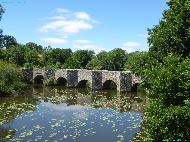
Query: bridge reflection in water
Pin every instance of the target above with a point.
(130, 101)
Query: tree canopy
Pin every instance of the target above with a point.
(1, 11)
(166, 74)
(172, 34)
(1, 31)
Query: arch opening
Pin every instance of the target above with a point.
(109, 85)
(38, 79)
(83, 84)
(134, 88)
(61, 81)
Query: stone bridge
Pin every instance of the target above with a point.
(98, 79)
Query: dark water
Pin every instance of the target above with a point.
(69, 115)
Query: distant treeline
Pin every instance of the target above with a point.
(32, 55)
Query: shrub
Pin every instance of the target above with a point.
(10, 79)
(167, 117)
(50, 81)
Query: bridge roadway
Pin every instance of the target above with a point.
(98, 79)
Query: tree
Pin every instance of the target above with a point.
(104, 59)
(167, 117)
(94, 64)
(31, 58)
(114, 60)
(136, 62)
(1, 11)
(118, 59)
(1, 31)
(35, 47)
(8, 41)
(56, 56)
(16, 55)
(10, 79)
(72, 63)
(172, 34)
(167, 73)
(2, 54)
(79, 59)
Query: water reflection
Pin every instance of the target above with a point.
(65, 114)
(130, 101)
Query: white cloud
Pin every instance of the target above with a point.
(62, 10)
(66, 26)
(54, 40)
(67, 22)
(56, 18)
(63, 107)
(83, 42)
(86, 45)
(131, 46)
(83, 16)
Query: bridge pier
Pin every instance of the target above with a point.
(96, 80)
(72, 78)
(125, 82)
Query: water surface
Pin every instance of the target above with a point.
(69, 115)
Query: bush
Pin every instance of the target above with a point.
(50, 81)
(170, 80)
(167, 123)
(167, 117)
(10, 79)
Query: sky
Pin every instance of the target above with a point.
(82, 24)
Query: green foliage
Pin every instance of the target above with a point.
(170, 80)
(1, 11)
(55, 58)
(10, 79)
(94, 64)
(172, 34)
(31, 58)
(1, 31)
(16, 54)
(168, 115)
(167, 123)
(118, 59)
(2, 54)
(72, 63)
(33, 46)
(79, 59)
(50, 81)
(104, 60)
(8, 41)
(167, 75)
(136, 62)
(114, 60)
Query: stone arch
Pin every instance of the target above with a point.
(134, 87)
(38, 79)
(109, 85)
(82, 83)
(61, 81)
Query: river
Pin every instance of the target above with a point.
(58, 114)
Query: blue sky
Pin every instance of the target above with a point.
(82, 24)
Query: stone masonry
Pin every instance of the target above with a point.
(123, 79)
